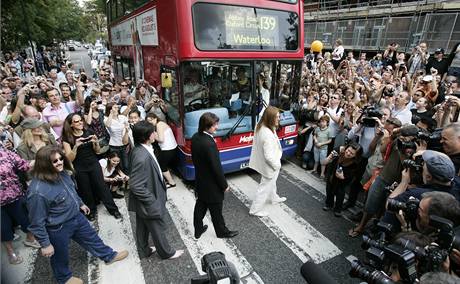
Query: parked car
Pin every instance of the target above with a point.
(71, 48)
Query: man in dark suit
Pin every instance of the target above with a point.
(148, 195)
(210, 183)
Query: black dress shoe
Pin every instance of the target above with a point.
(117, 215)
(116, 195)
(229, 234)
(199, 233)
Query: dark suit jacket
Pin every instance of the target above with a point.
(147, 195)
(210, 182)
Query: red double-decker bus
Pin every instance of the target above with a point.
(230, 57)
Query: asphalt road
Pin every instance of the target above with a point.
(81, 59)
(267, 250)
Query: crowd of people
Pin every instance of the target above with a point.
(385, 128)
(71, 141)
(64, 143)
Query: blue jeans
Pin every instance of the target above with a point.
(376, 196)
(79, 230)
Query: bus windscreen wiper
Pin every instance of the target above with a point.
(249, 108)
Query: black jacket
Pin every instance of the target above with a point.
(210, 182)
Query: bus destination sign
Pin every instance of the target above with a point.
(246, 29)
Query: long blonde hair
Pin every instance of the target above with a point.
(268, 118)
(28, 138)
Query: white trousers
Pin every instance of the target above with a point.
(266, 191)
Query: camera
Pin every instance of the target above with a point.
(217, 270)
(370, 275)
(433, 139)
(369, 115)
(388, 92)
(410, 208)
(416, 169)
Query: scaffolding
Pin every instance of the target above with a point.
(372, 25)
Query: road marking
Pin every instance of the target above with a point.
(19, 273)
(181, 202)
(301, 175)
(296, 233)
(119, 235)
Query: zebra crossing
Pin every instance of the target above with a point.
(294, 232)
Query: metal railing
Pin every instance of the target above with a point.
(331, 5)
(437, 29)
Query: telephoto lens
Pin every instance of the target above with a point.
(369, 275)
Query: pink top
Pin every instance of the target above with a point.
(50, 113)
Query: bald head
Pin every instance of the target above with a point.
(30, 112)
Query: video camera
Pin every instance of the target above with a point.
(217, 270)
(412, 260)
(432, 139)
(369, 115)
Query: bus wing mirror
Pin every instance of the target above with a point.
(166, 81)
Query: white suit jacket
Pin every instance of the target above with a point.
(266, 152)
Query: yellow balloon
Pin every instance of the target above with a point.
(316, 46)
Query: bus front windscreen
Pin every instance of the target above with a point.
(219, 26)
(237, 91)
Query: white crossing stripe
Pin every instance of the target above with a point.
(181, 202)
(119, 235)
(296, 233)
(304, 176)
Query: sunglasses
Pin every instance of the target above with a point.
(60, 159)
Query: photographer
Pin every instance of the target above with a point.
(438, 172)
(156, 106)
(450, 140)
(400, 149)
(344, 166)
(418, 59)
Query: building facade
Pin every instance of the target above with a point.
(373, 25)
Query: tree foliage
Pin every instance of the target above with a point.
(48, 21)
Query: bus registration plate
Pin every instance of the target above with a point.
(244, 165)
(289, 129)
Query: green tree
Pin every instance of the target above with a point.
(47, 21)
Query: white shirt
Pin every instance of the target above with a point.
(334, 126)
(149, 148)
(105, 171)
(169, 142)
(117, 130)
(404, 115)
(338, 53)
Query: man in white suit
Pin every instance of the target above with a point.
(266, 160)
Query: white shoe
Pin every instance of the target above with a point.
(279, 200)
(259, 214)
(177, 254)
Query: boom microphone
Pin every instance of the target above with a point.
(314, 274)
